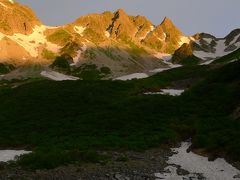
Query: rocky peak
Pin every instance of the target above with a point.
(169, 27)
(165, 38)
(95, 21)
(184, 55)
(120, 13)
(185, 49)
(16, 18)
(122, 26)
(167, 21)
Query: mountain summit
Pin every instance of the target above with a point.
(169, 27)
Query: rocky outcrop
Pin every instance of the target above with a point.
(184, 55)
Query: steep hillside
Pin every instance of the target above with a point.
(16, 18)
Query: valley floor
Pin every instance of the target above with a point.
(109, 124)
(154, 164)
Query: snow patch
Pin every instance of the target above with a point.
(107, 34)
(79, 52)
(166, 58)
(234, 60)
(208, 40)
(56, 76)
(163, 56)
(158, 70)
(171, 66)
(8, 155)
(197, 165)
(171, 92)
(84, 48)
(79, 29)
(235, 40)
(183, 40)
(76, 58)
(192, 38)
(1, 36)
(151, 29)
(3, 5)
(132, 76)
(207, 62)
(170, 173)
(32, 42)
(165, 35)
(161, 39)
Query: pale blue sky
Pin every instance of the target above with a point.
(218, 17)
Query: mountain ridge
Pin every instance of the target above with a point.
(124, 43)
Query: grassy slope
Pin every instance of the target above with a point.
(69, 119)
(211, 103)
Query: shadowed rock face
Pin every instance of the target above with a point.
(184, 55)
(16, 18)
(183, 52)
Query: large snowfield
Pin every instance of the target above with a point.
(198, 166)
(132, 76)
(220, 49)
(171, 92)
